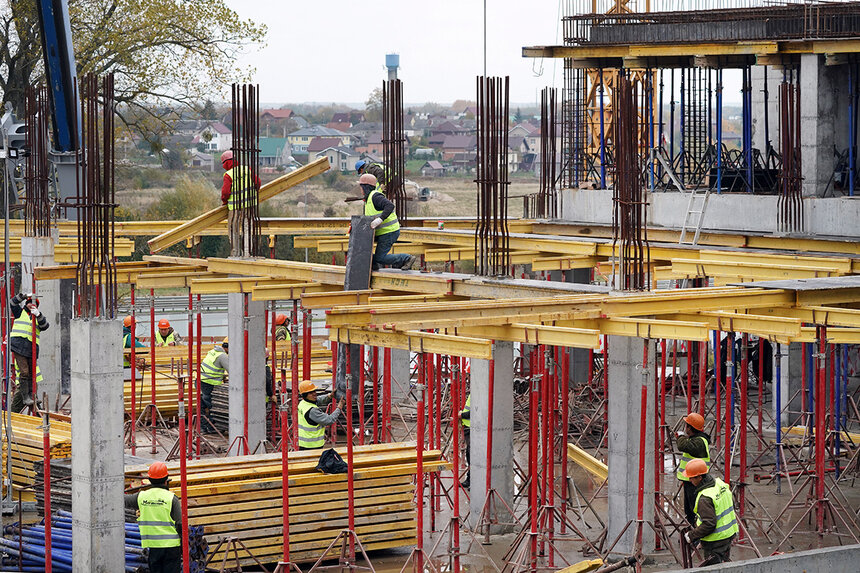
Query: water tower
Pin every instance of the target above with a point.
(392, 62)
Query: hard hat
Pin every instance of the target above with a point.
(158, 470)
(359, 164)
(695, 467)
(224, 342)
(367, 179)
(306, 386)
(280, 319)
(226, 155)
(163, 323)
(128, 321)
(696, 420)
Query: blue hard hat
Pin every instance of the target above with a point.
(359, 164)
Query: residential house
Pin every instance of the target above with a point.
(199, 160)
(432, 169)
(464, 162)
(214, 136)
(436, 141)
(300, 138)
(351, 117)
(517, 149)
(339, 125)
(455, 144)
(341, 158)
(523, 129)
(274, 152)
(364, 129)
(319, 144)
(372, 144)
(449, 128)
(276, 122)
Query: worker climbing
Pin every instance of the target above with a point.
(159, 520)
(716, 523)
(25, 310)
(693, 443)
(385, 225)
(213, 369)
(165, 335)
(239, 193)
(312, 420)
(378, 170)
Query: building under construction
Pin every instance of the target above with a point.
(667, 268)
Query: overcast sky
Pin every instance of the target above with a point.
(334, 50)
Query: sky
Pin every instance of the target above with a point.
(334, 50)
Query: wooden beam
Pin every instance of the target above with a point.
(337, 298)
(535, 334)
(416, 341)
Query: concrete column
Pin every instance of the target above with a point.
(792, 384)
(97, 442)
(818, 89)
(774, 79)
(502, 471)
(256, 372)
(578, 356)
(400, 374)
(626, 378)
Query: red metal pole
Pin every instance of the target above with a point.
(661, 421)
(820, 430)
(419, 487)
(551, 412)
(183, 480)
(133, 361)
(439, 394)
(374, 357)
(718, 381)
(361, 394)
(534, 433)
(307, 341)
(350, 436)
(34, 351)
(689, 376)
(760, 388)
(274, 368)
(152, 406)
(730, 341)
(188, 437)
(294, 372)
(245, 347)
(285, 471)
(386, 395)
(333, 389)
(703, 375)
(742, 428)
(565, 427)
(455, 457)
(640, 499)
(46, 460)
(197, 372)
(605, 382)
(431, 437)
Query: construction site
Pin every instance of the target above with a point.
(664, 283)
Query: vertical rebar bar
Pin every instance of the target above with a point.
(394, 146)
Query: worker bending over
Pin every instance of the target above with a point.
(716, 523)
(212, 371)
(165, 335)
(465, 414)
(378, 170)
(160, 521)
(25, 308)
(693, 443)
(282, 327)
(239, 193)
(312, 420)
(385, 225)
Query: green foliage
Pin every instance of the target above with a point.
(190, 197)
(373, 106)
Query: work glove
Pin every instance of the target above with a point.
(688, 538)
(35, 312)
(375, 223)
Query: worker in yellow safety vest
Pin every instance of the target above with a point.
(466, 422)
(385, 225)
(25, 311)
(693, 443)
(282, 327)
(212, 371)
(312, 420)
(716, 522)
(239, 191)
(165, 335)
(160, 521)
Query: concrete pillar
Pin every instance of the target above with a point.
(792, 384)
(400, 374)
(502, 471)
(256, 372)
(39, 252)
(774, 79)
(97, 442)
(626, 379)
(818, 87)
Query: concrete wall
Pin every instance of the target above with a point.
(835, 559)
(728, 212)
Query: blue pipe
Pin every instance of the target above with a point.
(719, 131)
(602, 136)
(681, 164)
(852, 134)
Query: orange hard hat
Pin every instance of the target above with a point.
(280, 319)
(367, 179)
(157, 470)
(128, 321)
(696, 420)
(695, 467)
(226, 155)
(306, 386)
(163, 323)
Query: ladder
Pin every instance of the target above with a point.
(696, 205)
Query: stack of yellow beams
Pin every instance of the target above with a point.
(166, 394)
(241, 497)
(27, 446)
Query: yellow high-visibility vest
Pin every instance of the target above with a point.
(310, 435)
(243, 192)
(23, 328)
(157, 528)
(685, 458)
(724, 506)
(210, 372)
(467, 423)
(389, 225)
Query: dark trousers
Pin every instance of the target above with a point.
(383, 246)
(468, 443)
(25, 381)
(206, 405)
(716, 552)
(165, 559)
(689, 502)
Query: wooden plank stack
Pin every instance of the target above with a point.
(27, 447)
(241, 497)
(166, 395)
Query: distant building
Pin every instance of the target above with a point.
(320, 144)
(432, 169)
(213, 136)
(372, 144)
(199, 160)
(274, 152)
(340, 158)
(455, 144)
(301, 138)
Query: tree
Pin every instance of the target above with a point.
(162, 52)
(518, 116)
(373, 106)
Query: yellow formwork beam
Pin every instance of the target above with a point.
(337, 298)
(841, 264)
(227, 285)
(758, 324)
(411, 282)
(644, 327)
(288, 290)
(564, 263)
(834, 335)
(267, 191)
(172, 280)
(694, 300)
(749, 270)
(587, 462)
(415, 341)
(534, 334)
(822, 315)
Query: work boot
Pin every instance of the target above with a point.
(409, 262)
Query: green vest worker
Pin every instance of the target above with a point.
(25, 309)
(465, 420)
(312, 420)
(693, 443)
(165, 335)
(212, 370)
(716, 523)
(160, 521)
(378, 170)
(385, 225)
(126, 342)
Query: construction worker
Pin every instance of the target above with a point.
(312, 420)
(160, 521)
(378, 170)
(385, 225)
(467, 431)
(282, 327)
(238, 193)
(716, 523)
(165, 335)
(693, 443)
(126, 343)
(25, 308)
(212, 371)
